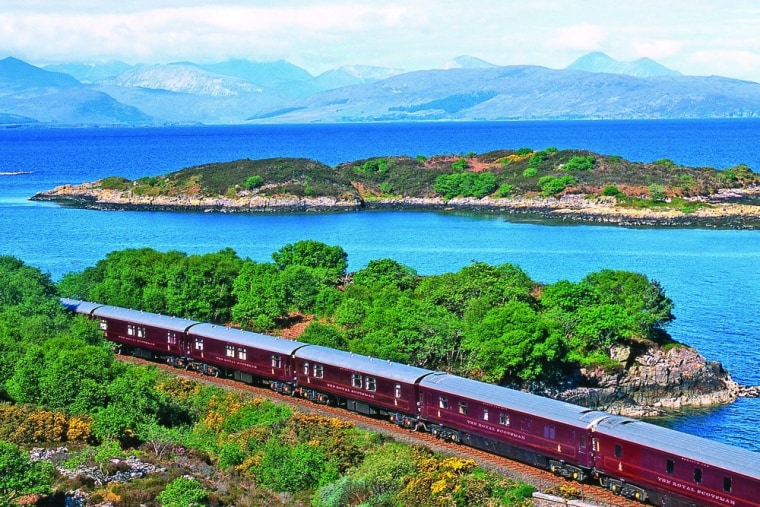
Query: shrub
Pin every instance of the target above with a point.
(506, 190)
(537, 159)
(611, 191)
(460, 164)
(530, 172)
(657, 192)
(114, 183)
(579, 163)
(183, 492)
(550, 185)
(523, 151)
(254, 181)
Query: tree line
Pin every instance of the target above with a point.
(488, 322)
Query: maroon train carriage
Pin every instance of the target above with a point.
(539, 431)
(146, 335)
(643, 459)
(359, 383)
(246, 356)
(78, 306)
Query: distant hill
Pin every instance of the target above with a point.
(89, 72)
(350, 75)
(468, 88)
(30, 94)
(467, 62)
(600, 62)
(528, 92)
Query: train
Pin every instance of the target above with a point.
(632, 458)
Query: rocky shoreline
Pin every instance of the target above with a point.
(653, 381)
(721, 212)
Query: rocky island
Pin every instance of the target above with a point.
(572, 186)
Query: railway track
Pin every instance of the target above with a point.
(541, 479)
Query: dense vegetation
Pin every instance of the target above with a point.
(61, 383)
(488, 322)
(502, 173)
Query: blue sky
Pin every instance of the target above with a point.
(697, 37)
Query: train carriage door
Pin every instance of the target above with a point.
(582, 444)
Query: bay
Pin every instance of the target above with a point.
(711, 275)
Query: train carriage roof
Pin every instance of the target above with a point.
(363, 364)
(79, 306)
(246, 338)
(728, 457)
(511, 399)
(144, 318)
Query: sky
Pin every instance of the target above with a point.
(695, 37)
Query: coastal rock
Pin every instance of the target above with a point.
(653, 381)
(571, 208)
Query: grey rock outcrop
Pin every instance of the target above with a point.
(653, 381)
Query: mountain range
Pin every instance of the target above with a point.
(465, 88)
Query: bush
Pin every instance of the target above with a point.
(183, 492)
(254, 181)
(579, 163)
(460, 164)
(530, 172)
(611, 191)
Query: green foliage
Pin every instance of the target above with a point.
(386, 272)
(657, 192)
(506, 190)
(460, 165)
(115, 183)
(328, 261)
(550, 185)
(260, 295)
(377, 165)
(184, 492)
(421, 158)
(530, 172)
(317, 333)
(523, 151)
(253, 182)
(19, 476)
(295, 469)
(465, 184)
(579, 163)
(611, 191)
(551, 150)
(665, 162)
(536, 160)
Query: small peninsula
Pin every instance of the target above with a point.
(571, 186)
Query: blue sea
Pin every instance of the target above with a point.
(713, 276)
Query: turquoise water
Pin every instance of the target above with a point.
(712, 275)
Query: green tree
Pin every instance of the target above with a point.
(260, 295)
(328, 261)
(183, 492)
(657, 192)
(254, 181)
(19, 476)
(385, 272)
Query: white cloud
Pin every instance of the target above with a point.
(322, 34)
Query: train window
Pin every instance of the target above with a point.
(727, 484)
(371, 384)
(356, 380)
(443, 402)
(618, 451)
(171, 338)
(103, 325)
(504, 419)
(141, 332)
(550, 432)
(242, 354)
(276, 361)
(397, 391)
(463, 407)
(319, 371)
(230, 351)
(485, 414)
(199, 344)
(305, 368)
(130, 330)
(698, 475)
(583, 441)
(670, 466)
